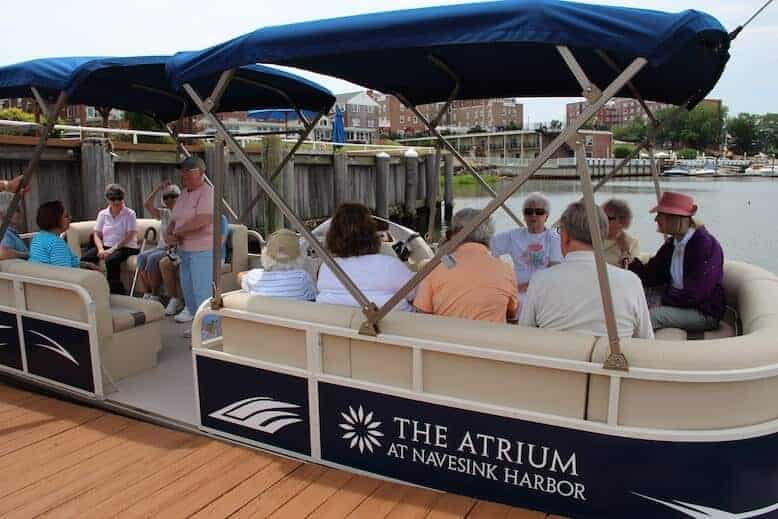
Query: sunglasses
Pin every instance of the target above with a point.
(169, 196)
(537, 211)
(115, 198)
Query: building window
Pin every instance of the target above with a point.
(353, 108)
(355, 121)
(589, 140)
(402, 119)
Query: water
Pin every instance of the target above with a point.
(742, 213)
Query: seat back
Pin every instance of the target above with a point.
(79, 233)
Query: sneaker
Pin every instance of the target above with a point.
(187, 333)
(174, 306)
(147, 295)
(184, 316)
(151, 297)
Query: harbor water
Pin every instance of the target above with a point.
(741, 212)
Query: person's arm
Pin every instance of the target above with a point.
(97, 235)
(698, 281)
(148, 204)
(657, 270)
(500, 244)
(310, 288)
(9, 253)
(513, 296)
(555, 248)
(643, 328)
(13, 185)
(61, 255)
(194, 224)
(423, 300)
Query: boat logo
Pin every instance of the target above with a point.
(704, 512)
(4, 327)
(361, 431)
(259, 413)
(54, 346)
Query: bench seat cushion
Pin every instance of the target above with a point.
(129, 312)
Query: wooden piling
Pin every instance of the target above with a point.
(411, 160)
(431, 193)
(342, 189)
(289, 189)
(382, 184)
(97, 172)
(448, 187)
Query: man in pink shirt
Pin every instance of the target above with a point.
(191, 228)
(115, 237)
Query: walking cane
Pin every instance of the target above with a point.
(142, 248)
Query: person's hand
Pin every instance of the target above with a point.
(162, 185)
(523, 287)
(171, 239)
(13, 185)
(105, 253)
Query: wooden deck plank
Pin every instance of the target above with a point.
(451, 506)
(348, 498)
(94, 498)
(142, 442)
(304, 503)
(489, 510)
(230, 502)
(521, 513)
(12, 399)
(416, 504)
(202, 496)
(380, 502)
(277, 495)
(206, 450)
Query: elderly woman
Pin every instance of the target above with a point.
(691, 265)
(115, 237)
(354, 241)
(191, 229)
(283, 273)
(531, 248)
(12, 245)
(148, 260)
(620, 247)
(47, 247)
(471, 284)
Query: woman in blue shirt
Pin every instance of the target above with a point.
(47, 247)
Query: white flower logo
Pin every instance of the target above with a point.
(361, 429)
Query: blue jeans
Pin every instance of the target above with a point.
(196, 279)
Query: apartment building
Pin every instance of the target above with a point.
(621, 111)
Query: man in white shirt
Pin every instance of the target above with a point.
(566, 297)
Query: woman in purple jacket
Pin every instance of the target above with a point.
(691, 265)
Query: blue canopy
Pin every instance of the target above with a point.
(141, 84)
(498, 49)
(279, 115)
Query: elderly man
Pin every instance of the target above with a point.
(12, 245)
(470, 283)
(565, 297)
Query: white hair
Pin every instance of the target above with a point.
(481, 234)
(536, 199)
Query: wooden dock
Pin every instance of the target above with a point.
(59, 459)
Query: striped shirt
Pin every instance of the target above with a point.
(291, 284)
(49, 248)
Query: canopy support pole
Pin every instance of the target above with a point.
(44, 107)
(616, 359)
(32, 166)
(368, 307)
(303, 136)
(434, 131)
(448, 247)
(590, 91)
(218, 188)
(212, 103)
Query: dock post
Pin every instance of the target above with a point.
(272, 155)
(433, 185)
(341, 189)
(97, 171)
(411, 159)
(448, 187)
(289, 190)
(381, 184)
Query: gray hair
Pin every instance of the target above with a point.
(620, 209)
(115, 190)
(171, 189)
(5, 201)
(481, 234)
(537, 198)
(575, 222)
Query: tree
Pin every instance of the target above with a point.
(767, 132)
(512, 126)
(138, 121)
(622, 151)
(743, 133)
(634, 131)
(555, 124)
(700, 128)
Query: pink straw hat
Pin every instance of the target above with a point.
(675, 203)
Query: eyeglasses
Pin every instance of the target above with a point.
(537, 211)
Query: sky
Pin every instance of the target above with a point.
(149, 27)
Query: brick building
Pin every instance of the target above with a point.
(621, 111)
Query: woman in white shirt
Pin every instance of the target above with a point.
(354, 241)
(532, 248)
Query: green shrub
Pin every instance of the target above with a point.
(687, 154)
(622, 151)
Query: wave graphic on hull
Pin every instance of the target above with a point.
(55, 347)
(704, 512)
(259, 413)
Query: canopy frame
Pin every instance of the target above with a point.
(52, 113)
(368, 307)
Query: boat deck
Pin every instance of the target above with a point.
(59, 459)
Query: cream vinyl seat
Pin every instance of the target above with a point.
(79, 233)
(129, 332)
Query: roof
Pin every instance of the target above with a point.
(499, 49)
(141, 84)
